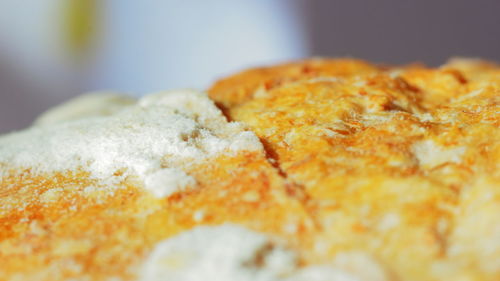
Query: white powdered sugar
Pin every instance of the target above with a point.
(220, 253)
(229, 253)
(167, 181)
(155, 139)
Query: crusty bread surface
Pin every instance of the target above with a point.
(375, 172)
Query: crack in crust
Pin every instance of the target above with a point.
(394, 169)
(385, 153)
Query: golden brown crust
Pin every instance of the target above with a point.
(398, 163)
(386, 156)
(54, 229)
(241, 87)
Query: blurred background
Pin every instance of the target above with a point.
(53, 50)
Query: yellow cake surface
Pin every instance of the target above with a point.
(316, 170)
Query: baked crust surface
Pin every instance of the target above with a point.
(398, 165)
(401, 162)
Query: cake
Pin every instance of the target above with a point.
(314, 170)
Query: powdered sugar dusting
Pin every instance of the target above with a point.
(230, 252)
(166, 181)
(177, 128)
(226, 252)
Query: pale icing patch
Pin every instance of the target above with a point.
(169, 129)
(166, 181)
(246, 141)
(229, 252)
(429, 154)
(220, 253)
(87, 105)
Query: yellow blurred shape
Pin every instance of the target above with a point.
(79, 25)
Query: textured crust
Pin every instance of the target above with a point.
(54, 228)
(399, 163)
(394, 160)
(243, 86)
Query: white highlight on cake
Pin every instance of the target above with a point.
(228, 253)
(429, 154)
(168, 129)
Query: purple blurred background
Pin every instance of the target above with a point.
(53, 50)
